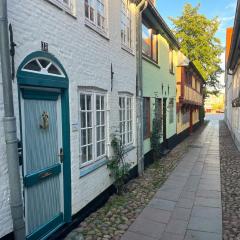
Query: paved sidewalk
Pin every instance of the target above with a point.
(188, 205)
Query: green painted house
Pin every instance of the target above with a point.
(159, 60)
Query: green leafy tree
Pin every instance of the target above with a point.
(197, 36)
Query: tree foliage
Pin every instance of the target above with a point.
(197, 36)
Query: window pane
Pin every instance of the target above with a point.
(53, 70)
(103, 147)
(98, 118)
(155, 48)
(98, 149)
(89, 131)
(82, 101)
(103, 133)
(44, 62)
(98, 133)
(84, 154)
(89, 102)
(33, 65)
(103, 118)
(102, 103)
(83, 138)
(90, 153)
(146, 40)
(86, 9)
(89, 119)
(83, 119)
(98, 102)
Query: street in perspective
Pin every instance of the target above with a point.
(119, 120)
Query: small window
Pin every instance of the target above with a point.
(126, 119)
(95, 12)
(171, 110)
(93, 127)
(146, 117)
(171, 60)
(149, 43)
(43, 66)
(126, 24)
(66, 5)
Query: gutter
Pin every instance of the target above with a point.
(10, 129)
(139, 86)
(234, 51)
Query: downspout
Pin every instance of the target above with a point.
(10, 129)
(139, 86)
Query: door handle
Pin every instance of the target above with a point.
(61, 155)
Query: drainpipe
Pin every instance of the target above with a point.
(10, 129)
(139, 86)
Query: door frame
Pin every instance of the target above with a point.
(164, 103)
(26, 79)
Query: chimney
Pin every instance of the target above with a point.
(229, 32)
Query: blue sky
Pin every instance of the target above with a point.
(224, 9)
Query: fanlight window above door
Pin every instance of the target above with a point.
(43, 66)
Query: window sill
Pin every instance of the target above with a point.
(150, 61)
(127, 49)
(92, 167)
(63, 8)
(128, 148)
(96, 29)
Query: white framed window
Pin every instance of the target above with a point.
(92, 126)
(67, 5)
(95, 12)
(126, 24)
(126, 119)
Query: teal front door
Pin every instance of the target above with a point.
(43, 160)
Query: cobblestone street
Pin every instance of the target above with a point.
(230, 173)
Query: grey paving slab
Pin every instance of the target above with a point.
(181, 213)
(172, 236)
(208, 202)
(205, 225)
(197, 235)
(168, 195)
(208, 194)
(136, 236)
(185, 203)
(162, 204)
(177, 226)
(188, 194)
(206, 212)
(156, 215)
(148, 228)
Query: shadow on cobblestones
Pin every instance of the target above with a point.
(113, 219)
(230, 183)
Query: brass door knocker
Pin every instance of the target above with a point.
(45, 121)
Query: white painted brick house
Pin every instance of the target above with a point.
(86, 45)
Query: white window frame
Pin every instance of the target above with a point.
(93, 23)
(126, 21)
(68, 7)
(128, 119)
(94, 111)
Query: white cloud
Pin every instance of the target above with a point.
(227, 19)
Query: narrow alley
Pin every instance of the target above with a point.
(188, 205)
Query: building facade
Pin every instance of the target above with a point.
(75, 86)
(160, 50)
(232, 80)
(189, 96)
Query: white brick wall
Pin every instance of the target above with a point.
(86, 57)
